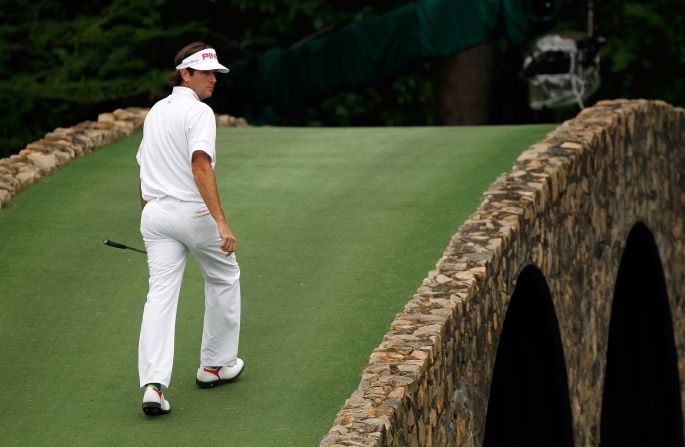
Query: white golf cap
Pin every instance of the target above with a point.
(203, 60)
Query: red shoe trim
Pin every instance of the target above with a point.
(157, 390)
(214, 371)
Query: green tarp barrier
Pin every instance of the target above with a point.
(373, 49)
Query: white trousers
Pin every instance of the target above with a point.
(170, 229)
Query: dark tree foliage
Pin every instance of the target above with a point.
(64, 62)
(644, 54)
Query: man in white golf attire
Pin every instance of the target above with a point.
(182, 212)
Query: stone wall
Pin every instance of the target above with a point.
(566, 207)
(62, 145)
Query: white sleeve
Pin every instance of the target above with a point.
(201, 132)
(140, 148)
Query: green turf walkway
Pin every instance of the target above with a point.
(336, 229)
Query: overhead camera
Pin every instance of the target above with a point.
(562, 69)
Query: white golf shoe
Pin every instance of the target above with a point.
(154, 402)
(210, 377)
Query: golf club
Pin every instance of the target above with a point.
(121, 246)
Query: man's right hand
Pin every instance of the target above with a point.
(228, 239)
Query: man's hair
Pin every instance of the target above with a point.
(175, 78)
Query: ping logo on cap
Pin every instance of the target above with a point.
(203, 60)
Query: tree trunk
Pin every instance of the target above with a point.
(463, 86)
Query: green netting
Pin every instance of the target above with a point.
(373, 49)
(447, 27)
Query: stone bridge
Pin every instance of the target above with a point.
(556, 315)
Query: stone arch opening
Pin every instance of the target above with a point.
(641, 399)
(529, 401)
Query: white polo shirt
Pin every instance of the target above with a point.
(175, 127)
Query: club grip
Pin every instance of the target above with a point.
(114, 244)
